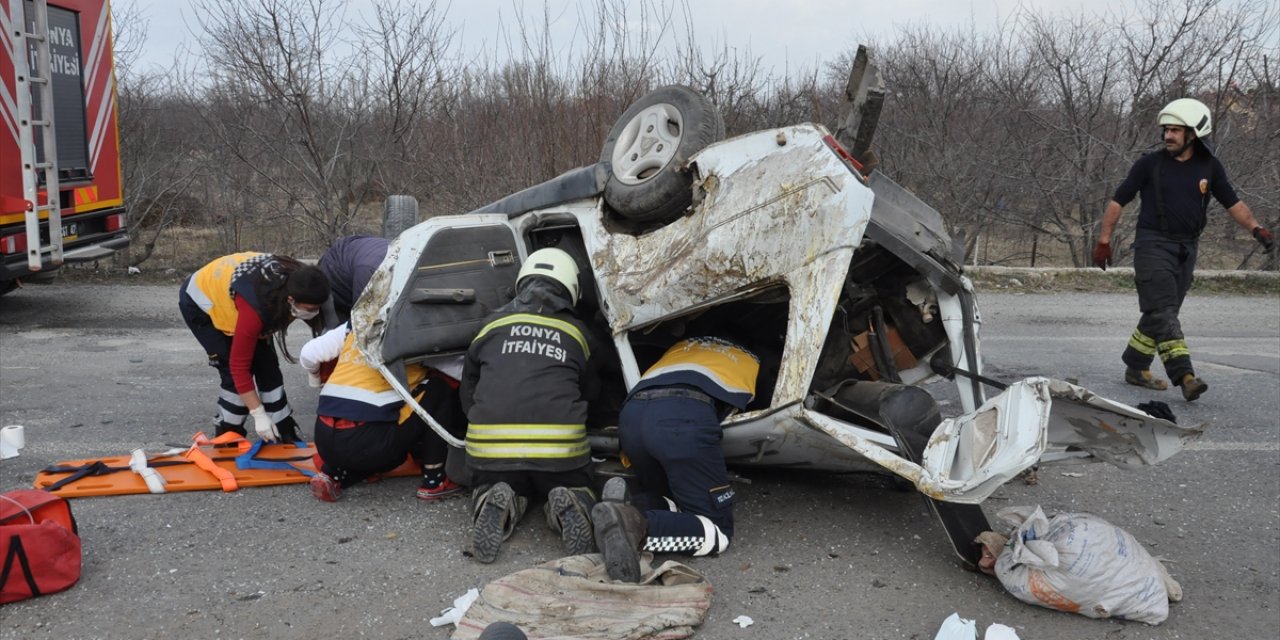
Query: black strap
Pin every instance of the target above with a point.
(980, 378)
(16, 551)
(1158, 185)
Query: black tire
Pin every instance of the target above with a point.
(7, 285)
(398, 213)
(652, 183)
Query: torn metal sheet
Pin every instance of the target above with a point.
(1108, 430)
(970, 456)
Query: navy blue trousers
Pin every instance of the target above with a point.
(673, 444)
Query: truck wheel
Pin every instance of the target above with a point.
(398, 213)
(7, 285)
(648, 151)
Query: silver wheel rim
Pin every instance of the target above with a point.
(647, 143)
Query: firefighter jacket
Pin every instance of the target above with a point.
(525, 392)
(1175, 195)
(718, 368)
(214, 287)
(354, 390)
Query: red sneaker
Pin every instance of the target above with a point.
(440, 492)
(324, 488)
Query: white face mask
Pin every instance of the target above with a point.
(303, 314)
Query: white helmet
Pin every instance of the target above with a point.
(554, 264)
(1187, 112)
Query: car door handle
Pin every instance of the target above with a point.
(442, 296)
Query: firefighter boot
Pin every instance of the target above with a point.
(1143, 378)
(495, 510)
(620, 533)
(615, 490)
(568, 512)
(1192, 387)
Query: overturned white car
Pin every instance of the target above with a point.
(843, 282)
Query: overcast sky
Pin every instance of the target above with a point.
(785, 34)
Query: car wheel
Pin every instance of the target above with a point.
(398, 213)
(7, 285)
(648, 151)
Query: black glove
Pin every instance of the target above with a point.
(1264, 237)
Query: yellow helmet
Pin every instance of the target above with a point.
(555, 264)
(1187, 112)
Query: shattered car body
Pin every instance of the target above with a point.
(840, 282)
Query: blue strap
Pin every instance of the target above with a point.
(248, 460)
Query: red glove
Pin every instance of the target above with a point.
(1102, 255)
(1264, 237)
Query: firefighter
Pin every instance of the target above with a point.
(525, 390)
(364, 428)
(1176, 184)
(670, 432)
(349, 263)
(234, 305)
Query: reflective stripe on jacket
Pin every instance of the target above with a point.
(358, 392)
(523, 393)
(721, 369)
(210, 288)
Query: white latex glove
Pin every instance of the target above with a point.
(459, 609)
(264, 426)
(314, 380)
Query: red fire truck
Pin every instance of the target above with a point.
(61, 199)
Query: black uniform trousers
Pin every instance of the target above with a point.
(1163, 270)
(265, 369)
(357, 451)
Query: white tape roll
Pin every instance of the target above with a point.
(12, 439)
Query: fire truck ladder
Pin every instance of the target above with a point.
(29, 87)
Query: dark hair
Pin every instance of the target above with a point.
(308, 285)
(279, 279)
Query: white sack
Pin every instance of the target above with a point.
(1080, 563)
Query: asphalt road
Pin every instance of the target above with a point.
(95, 370)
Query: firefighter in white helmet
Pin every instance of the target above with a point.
(525, 390)
(1175, 184)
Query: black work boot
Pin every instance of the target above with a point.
(615, 490)
(568, 513)
(495, 511)
(620, 533)
(288, 429)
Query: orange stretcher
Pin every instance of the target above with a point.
(225, 463)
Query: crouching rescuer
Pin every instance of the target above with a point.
(525, 390)
(670, 433)
(364, 428)
(234, 306)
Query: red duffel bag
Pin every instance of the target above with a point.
(39, 545)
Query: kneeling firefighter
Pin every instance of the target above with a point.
(525, 389)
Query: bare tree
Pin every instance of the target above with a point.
(156, 156)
